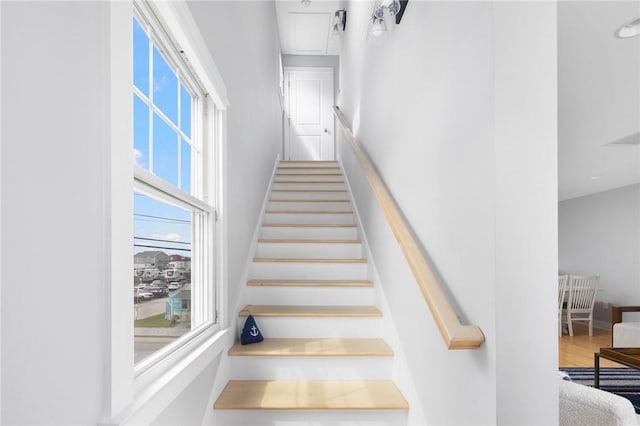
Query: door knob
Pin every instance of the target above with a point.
(326, 131)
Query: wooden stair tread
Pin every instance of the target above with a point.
(306, 260)
(309, 225)
(307, 241)
(309, 212)
(308, 190)
(319, 347)
(308, 168)
(289, 200)
(311, 395)
(323, 182)
(310, 283)
(310, 311)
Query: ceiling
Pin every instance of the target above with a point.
(306, 30)
(598, 98)
(598, 86)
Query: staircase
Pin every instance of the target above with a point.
(311, 298)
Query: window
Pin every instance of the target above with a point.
(187, 192)
(173, 277)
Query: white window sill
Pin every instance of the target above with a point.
(158, 386)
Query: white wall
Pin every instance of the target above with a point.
(243, 40)
(438, 110)
(187, 409)
(600, 234)
(54, 189)
(526, 184)
(53, 213)
(598, 97)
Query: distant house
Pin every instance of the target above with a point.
(152, 259)
(180, 302)
(179, 262)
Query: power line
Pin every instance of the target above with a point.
(167, 219)
(160, 247)
(162, 241)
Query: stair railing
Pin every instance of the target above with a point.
(455, 334)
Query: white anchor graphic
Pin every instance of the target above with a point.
(254, 331)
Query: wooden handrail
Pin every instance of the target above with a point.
(455, 334)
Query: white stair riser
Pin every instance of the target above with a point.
(309, 186)
(310, 250)
(326, 177)
(311, 368)
(286, 295)
(316, 233)
(311, 418)
(307, 205)
(333, 218)
(334, 195)
(308, 271)
(318, 327)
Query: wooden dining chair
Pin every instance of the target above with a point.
(582, 297)
(562, 288)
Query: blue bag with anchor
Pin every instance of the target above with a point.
(250, 332)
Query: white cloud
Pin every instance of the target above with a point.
(137, 155)
(160, 83)
(172, 236)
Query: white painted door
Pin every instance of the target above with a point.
(309, 114)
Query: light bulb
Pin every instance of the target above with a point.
(378, 27)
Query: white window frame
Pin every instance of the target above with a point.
(137, 395)
(159, 39)
(203, 214)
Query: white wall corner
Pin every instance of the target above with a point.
(526, 188)
(221, 179)
(1, 240)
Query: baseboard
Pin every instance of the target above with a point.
(602, 325)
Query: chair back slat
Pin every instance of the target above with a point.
(582, 293)
(562, 288)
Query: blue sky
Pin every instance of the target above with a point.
(155, 220)
(161, 226)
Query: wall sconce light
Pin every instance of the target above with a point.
(382, 6)
(339, 22)
(383, 13)
(305, 3)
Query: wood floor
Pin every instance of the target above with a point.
(577, 351)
